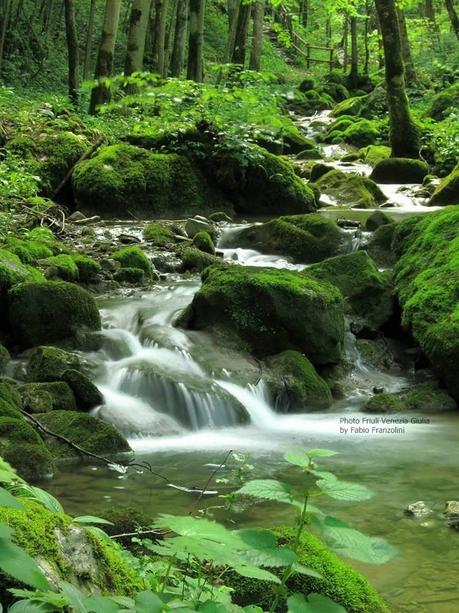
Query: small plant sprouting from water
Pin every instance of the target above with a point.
(186, 567)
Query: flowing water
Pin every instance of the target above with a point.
(183, 402)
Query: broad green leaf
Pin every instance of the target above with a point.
(30, 492)
(26, 606)
(191, 526)
(267, 489)
(256, 573)
(8, 500)
(147, 602)
(91, 519)
(75, 597)
(315, 603)
(99, 604)
(297, 457)
(6, 476)
(305, 570)
(343, 490)
(59, 601)
(15, 562)
(320, 453)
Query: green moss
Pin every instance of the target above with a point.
(130, 275)
(295, 142)
(13, 272)
(40, 313)
(29, 251)
(337, 91)
(64, 266)
(318, 170)
(123, 179)
(424, 397)
(350, 190)
(44, 397)
(374, 154)
(50, 363)
(351, 106)
(295, 383)
(203, 241)
(447, 191)
(196, 260)
(379, 246)
(133, 257)
(340, 582)
(376, 220)
(4, 357)
(86, 393)
(361, 133)
(399, 170)
(159, 234)
(22, 447)
(341, 124)
(444, 103)
(88, 269)
(91, 433)
(41, 233)
(304, 238)
(368, 292)
(306, 85)
(10, 399)
(427, 284)
(271, 310)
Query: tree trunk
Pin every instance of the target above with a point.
(159, 51)
(170, 34)
(72, 50)
(233, 18)
(137, 33)
(345, 42)
(410, 74)
(242, 31)
(429, 10)
(4, 29)
(104, 66)
(196, 40)
(257, 41)
(404, 137)
(89, 36)
(354, 73)
(366, 65)
(178, 51)
(453, 16)
(304, 13)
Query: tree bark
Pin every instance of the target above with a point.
(138, 23)
(233, 17)
(354, 73)
(404, 137)
(104, 66)
(366, 64)
(170, 34)
(72, 51)
(429, 10)
(4, 29)
(242, 31)
(345, 42)
(159, 41)
(410, 73)
(178, 50)
(257, 40)
(89, 37)
(304, 13)
(196, 40)
(453, 16)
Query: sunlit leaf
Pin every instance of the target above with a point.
(15, 562)
(297, 457)
(147, 602)
(267, 489)
(99, 604)
(343, 490)
(91, 519)
(314, 603)
(321, 453)
(256, 573)
(8, 500)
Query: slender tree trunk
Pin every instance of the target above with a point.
(242, 31)
(89, 37)
(366, 65)
(137, 33)
(170, 34)
(233, 18)
(354, 74)
(104, 66)
(178, 51)
(410, 74)
(429, 10)
(453, 16)
(159, 55)
(72, 50)
(404, 137)
(304, 13)
(196, 40)
(6, 17)
(257, 41)
(47, 16)
(345, 42)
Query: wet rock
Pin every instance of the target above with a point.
(86, 393)
(76, 216)
(451, 511)
(424, 397)
(49, 364)
(318, 170)
(195, 225)
(399, 170)
(110, 265)
(351, 190)
(166, 262)
(379, 247)
(4, 357)
(418, 509)
(376, 220)
(447, 192)
(128, 239)
(378, 353)
(219, 217)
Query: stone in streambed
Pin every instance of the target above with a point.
(424, 397)
(379, 247)
(418, 509)
(45, 397)
(195, 260)
(203, 241)
(86, 393)
(351, 190)
(269, 311)
(49, 364)
(447, 192)
(22, 447)
(399, 170)
(376, 220)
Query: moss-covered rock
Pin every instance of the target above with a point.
(444, 103)
(10, 400)
(270, 310)
(45, 397)
(399, 170)
(427, 284)
(123, 179)
(88, 268)
(318, 170)
(361, 133)
(351, 106)
(159, 234)
(47, 312)
(86, 393)
(368, 292)
(426, 397)
(379, 246)
(295, 142)
(376, 220)
(203, 241)
(195, 260)
(4, 357)
(304, 238)
(133, 257)
(22, 447)
(350, 190)
(295, 384)
(49, 364)
(68, 552)
(29, 251)
(447, 192)
(374, 154)
(339, 582)
(62, 266)
(130, 275)
(90, 433)
(13, 272)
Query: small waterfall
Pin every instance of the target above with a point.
(255, 399)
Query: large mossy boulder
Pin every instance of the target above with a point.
(42, 313)
(379, 247)
(350, 106)
(424, 397)
(22, 447)
(195, 260)
(67, 551)
(10, 399)
(294, 383)
(303, 238)
(133, 257)
(338, 581)
(270, 310)
(45, 397)
(91, 433)
(351, 191)
(399, 170)
(447, 192)
(13, 272)
(368, 292)
(444, 103)
(361, 133)
(48, 364)
(427, 284)
(125, 180)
